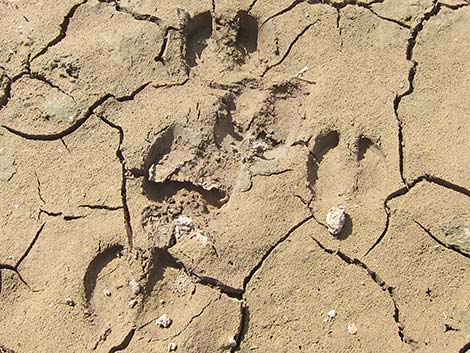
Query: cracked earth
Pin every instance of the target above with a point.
(161, 158)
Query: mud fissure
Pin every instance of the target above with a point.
(404, 190)
(62, 30)
(15, 268)
(378, 280)
(338, 6)
(447, 246)
(125, 342)
(289, 49)
(125, 207)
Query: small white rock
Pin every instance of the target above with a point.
(352, 329)
(69, 302)
(231, 342)
(106, 292)
(132, 303)
(331, 314)
(335, 219)
(135, 286)
(172, 347)
(183, 225)
(164, 321)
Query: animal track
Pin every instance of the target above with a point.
(197, 31)
(95, 269)
(108, 292)
(352, 174)
(222, 39)
(207, 177)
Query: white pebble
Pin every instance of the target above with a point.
(183, 225)
(164, 321)
(132, 303)
(172, 347)
(231, 343)
(335, 219)
(332, 314)
(69, 302)
(135, 286)
(106, 292)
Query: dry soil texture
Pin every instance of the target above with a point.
(176, 160)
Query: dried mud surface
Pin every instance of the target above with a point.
(161, 158)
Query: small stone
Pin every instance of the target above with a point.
(164, 321)
(183, 225)
(106, 292)
(135, 286)
(69, 302)
(331, 314)
(231, 342)
(352, 329)
(335, 219)
(132, 303)
(172, 347)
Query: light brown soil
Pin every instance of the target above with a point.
(180, 157)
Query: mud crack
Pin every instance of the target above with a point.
(404, 190)
(62, 30)
(289, 48)
(120, 156)
(250, 7)
(125, 342)
(414, 32)
(101, 207)
(244, 310)
(32, 75)
(338, 6)
(39, 189)
(15, 268)
(281, 240)
(137, 16)
(91, 109)
(66, 217)
(7, 90)
(378, 280)
(222, 288)
(447, 246)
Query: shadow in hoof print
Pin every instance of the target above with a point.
(110, 295)
(350, 174)
(220, 41)
(197, 31)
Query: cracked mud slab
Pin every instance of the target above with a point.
(423, 258)
(288, 305)
(36, 108)
(25, 33)
(54, 270)
(180, 159)
(435, 118)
